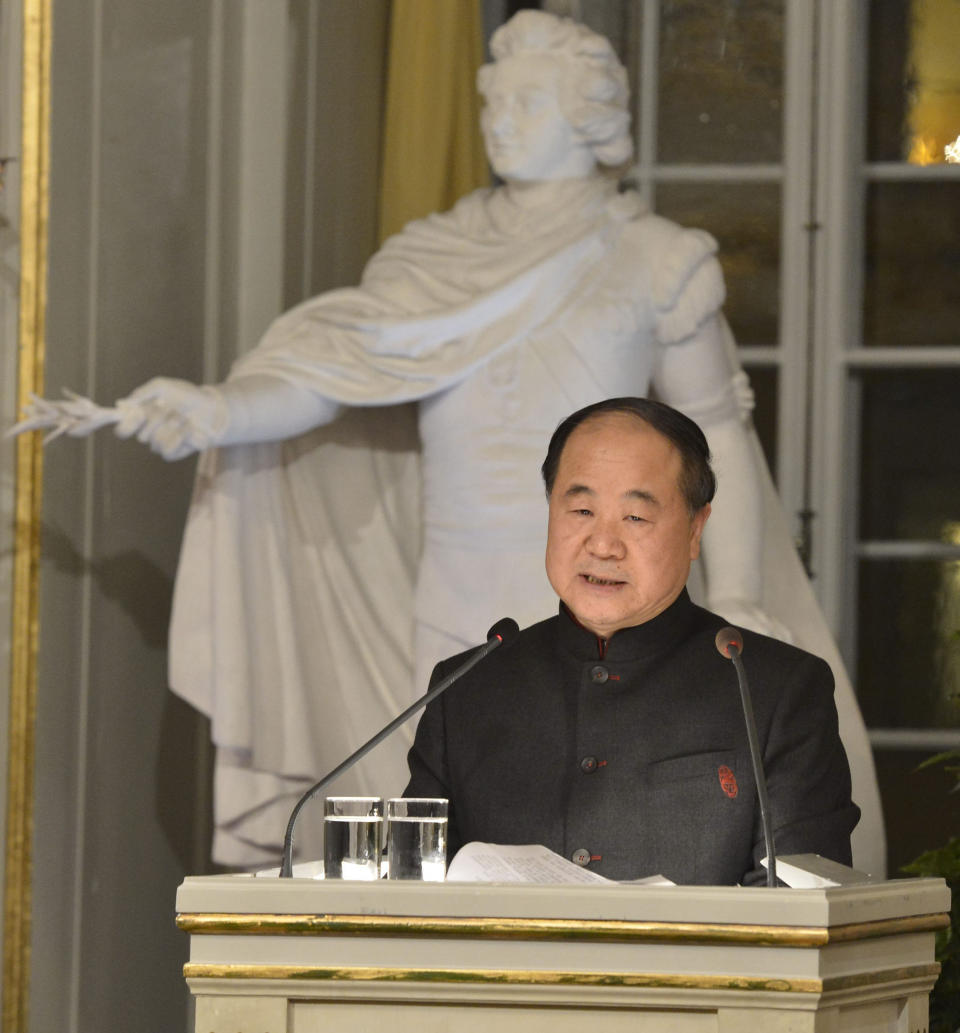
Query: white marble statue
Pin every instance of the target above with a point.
(312, 597)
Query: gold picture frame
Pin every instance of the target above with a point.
(34, 201)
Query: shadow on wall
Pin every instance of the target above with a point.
(184, 756)
(184, 796)
(142, 589)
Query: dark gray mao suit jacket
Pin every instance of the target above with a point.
(636, 756)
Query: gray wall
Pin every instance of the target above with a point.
(117, 800)
(182, 174)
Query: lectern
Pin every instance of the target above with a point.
(300, 956)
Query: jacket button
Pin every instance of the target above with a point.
(588, 764)
(599, 674)
(581, 857)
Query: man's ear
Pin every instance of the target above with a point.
(697, 525)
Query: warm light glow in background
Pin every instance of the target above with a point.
(933, 120)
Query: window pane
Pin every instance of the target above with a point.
(919, 805)
(912, 264)
(910, 463)
(617, 20)
(721, 81)
(908, 669)
(913, 92)
(887, 81)
(745, 219)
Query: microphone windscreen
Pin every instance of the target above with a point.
(726, 638)
(506, 629)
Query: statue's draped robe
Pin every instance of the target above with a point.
(312, 597)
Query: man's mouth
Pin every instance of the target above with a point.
(592, 579)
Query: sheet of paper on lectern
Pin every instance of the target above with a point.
(531, 863)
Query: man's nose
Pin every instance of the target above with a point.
(606, 542)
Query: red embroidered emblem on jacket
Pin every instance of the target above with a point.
(728, 781)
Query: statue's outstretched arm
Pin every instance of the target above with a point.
(702, 377)
(176, 418)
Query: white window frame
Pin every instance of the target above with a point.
(838, 351)
(822, 177)
(794, 175)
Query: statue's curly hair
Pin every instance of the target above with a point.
(594, 96)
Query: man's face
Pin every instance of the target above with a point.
(620, 538)
(526, 133)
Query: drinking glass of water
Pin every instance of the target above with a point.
(352, 837)
(417, 839)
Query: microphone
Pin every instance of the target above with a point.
(729, 643)
(728, 638)
(503, 633)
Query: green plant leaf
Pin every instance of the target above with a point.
(938, 758)
(944, 861)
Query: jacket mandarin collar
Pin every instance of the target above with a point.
(636, 643)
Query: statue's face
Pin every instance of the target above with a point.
(527, 135)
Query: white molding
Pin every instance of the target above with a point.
(262, 168)
(925, 739)
(796, 215)
(80, 869)
(922, 357)
(760, 356)
(900, 171)
(907, 550)
(309, 131)
(717, 173)
(213, 238)
(837, 290)
(646, 101)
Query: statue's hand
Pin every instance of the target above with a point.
(743, 614)
(174, 417)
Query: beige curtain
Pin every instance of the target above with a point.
(432, 148)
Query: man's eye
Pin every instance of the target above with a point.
(583, 512)
(634, 519)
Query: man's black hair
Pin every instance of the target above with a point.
(697, 480)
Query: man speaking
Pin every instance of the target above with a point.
(613, 732)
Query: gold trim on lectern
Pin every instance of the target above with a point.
(512, 977)
(551, 928)
(522, 977)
